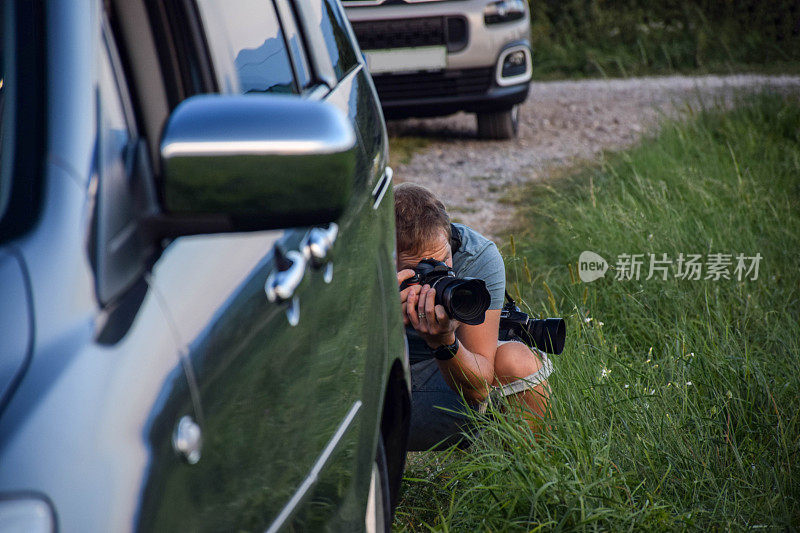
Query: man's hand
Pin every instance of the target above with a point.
(421, 312)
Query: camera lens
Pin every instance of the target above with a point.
(465, 300)
(548, 334)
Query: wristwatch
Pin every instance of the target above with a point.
(446, 351)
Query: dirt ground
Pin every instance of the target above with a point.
(561, 123)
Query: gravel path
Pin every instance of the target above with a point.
(560, 123)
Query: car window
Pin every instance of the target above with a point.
(22, 116)
(6, 139)
(337, 39)
(117, 251)
(295, 43)
(247, 46)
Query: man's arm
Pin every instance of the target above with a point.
(472, 368)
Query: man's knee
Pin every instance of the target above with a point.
(514, 360)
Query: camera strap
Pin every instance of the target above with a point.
(510, 304)
(455, 239)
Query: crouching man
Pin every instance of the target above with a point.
(452, 362)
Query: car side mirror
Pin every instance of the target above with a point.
(255, 162)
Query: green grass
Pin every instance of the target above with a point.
(677, 406)
(601, 38)
(402, 149)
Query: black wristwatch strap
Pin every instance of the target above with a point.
(446, 351)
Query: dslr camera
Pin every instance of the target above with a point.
(464, 299)
(547, 334)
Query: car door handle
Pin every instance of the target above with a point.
(320, 242)
(187, 439)
(383, 185)
(281, 284)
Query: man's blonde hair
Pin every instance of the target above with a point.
(420, 218)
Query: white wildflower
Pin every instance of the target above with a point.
(587, 319)
(688, 383)
(626, 385)
(604, 374)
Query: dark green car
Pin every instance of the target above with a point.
(200, 326)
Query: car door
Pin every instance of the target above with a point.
(287, 337)
(88, 420)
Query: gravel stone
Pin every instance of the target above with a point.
(561, 123)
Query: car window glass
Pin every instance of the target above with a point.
(295, 42)
(115, 258)
(115, 132)
(337, 39)
(5, 137)
(247, 46)
(22, 116)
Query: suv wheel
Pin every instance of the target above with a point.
(498, 124)
(379, 512)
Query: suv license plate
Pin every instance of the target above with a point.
(406, 59)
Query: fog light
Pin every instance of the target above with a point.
(514, 64)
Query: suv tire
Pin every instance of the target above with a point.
(498, 124)
(378, 518)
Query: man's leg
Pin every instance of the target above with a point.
(438, 413)
(514, 361)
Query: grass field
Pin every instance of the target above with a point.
(603, 38)
(677, 401)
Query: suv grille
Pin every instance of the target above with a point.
(392, 87)
(400, 33)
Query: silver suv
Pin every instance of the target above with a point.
(200, 327)
(436, 57)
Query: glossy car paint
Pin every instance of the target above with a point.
(81, 427)
(289, 414)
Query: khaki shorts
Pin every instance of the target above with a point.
(522, 384)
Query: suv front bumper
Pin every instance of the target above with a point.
(443, 93)
(471, 79)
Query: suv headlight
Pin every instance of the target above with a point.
(504, 11)
(26, 514)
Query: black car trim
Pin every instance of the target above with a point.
(298, 58)
(319, 61)
(29, 125)
(133, 33)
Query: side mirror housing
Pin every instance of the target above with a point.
(256, 162)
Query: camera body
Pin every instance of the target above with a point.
(548, 334)
(463, 299)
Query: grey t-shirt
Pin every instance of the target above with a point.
(476, 257)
